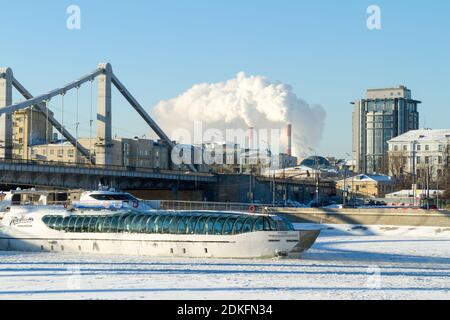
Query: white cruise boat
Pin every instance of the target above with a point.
(197, 234)
(113, 200)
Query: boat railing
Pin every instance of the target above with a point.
(39, 203)
(214, 206)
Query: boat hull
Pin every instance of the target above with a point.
(251, 245)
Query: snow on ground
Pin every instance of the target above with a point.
(347, 262)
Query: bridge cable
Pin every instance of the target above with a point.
(90, 124)
(76, 126)
(30, 143)
(46, 126)
(62, 113)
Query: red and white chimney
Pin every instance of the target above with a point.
(289, 140)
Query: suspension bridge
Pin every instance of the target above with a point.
(98, 168)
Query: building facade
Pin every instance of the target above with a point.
(383, 115)
(420, 153)
(367, 186)
(132, 153)
(30, 127)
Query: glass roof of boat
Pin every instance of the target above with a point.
(167, 222)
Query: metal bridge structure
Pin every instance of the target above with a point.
(100, 169)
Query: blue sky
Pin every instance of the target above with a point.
(159, 49)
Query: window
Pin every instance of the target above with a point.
(200, 226)
(419, 147)
(259, 225)
(166, 224)
(150, 225)
(248, 225)
(92, 224)
(135, 223)
(427, 148)
(182, 225)
(218, 225)
(191, 224)
(228, 226)
(114, 224)
(173, 226)
(395, 148)
(99, 225)
(213, 224)
(78, 223)
(405, 148)
(210, 224)
(238, 225)
(121, 223)
(440, 160)
(419, 160)
(427, 160)
(159, 223)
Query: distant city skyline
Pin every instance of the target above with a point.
(160, 49)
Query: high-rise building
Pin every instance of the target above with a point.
(383, 115)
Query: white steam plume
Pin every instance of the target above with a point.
(243, 102)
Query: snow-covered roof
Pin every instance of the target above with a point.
(423, 135)
(370, 177)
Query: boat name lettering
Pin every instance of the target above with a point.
(16, 221)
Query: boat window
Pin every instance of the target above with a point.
(113, 197)
(65, 223)
(127, 223)
(182, 224)
(200, 226)
(52, 221)
(99, 225)
(273, 225)
(114, 221)
(78, 222)
(248, 225)
(71, 226)
(135, 223)
(92, 224)
(237, 228)
(107, 224)
(228, 225)
(59, 223)
(218, 225)
(121, 222)
(173, 227)
(191, 224)
(259, 225)
(284, 225)
(266, 224)
(85, 224)
(151, 224)
(141, 224)
(210, 224)
(159, 223)
(166, 224)
(46, 219)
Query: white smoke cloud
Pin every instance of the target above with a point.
(243, 102)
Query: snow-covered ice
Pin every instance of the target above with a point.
(347, 262)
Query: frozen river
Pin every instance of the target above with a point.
(349, 263)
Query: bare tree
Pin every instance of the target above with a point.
(397, 168)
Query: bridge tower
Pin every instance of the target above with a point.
(104, 131)
(6, 122)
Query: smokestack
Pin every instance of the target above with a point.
(251, 141)
(289, 138)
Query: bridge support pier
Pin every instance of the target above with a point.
(6, 122)
(104, 132)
